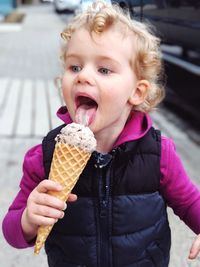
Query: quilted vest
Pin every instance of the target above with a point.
(119, 219)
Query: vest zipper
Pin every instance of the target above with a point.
(103, 209)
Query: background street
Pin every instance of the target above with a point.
(29, 99)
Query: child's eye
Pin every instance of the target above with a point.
(75, 68)
(104, 71)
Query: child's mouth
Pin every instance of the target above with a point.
(85, 109)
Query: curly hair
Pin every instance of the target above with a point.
(147, 63)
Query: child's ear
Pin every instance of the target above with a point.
(139, 94)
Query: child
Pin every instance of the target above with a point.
(116, 215)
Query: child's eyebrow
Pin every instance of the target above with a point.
(71, 56)
(97, 58)
(107, 58)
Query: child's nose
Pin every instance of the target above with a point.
(85, 76)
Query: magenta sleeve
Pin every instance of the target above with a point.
(33, 173)
(180, 193)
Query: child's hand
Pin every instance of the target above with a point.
(43, 209)
(194, 251)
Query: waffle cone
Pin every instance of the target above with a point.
(67, 164)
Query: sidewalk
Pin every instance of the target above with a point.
(29, 64)
(28, 103)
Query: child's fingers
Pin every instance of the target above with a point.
(40, 199)
(38, 219)
(72, 197)
(194, 251)
(41, 220)
(47, 185)
(50, 201)
(48, 212)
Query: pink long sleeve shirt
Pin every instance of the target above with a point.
(175, 186)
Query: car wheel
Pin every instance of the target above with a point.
(123, 5)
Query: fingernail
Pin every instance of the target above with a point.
(65, 206)
(62, 215)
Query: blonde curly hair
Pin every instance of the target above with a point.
(147, 55)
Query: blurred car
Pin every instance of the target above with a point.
(177, 23)
(84, 4)
(61, 6)
(129, 4)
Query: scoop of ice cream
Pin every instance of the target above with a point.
(77, 135)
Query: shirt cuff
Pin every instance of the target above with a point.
(14, 235)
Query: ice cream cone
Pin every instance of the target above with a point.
(67, 164)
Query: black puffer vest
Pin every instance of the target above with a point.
(119, 219)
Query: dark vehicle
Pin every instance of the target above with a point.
(177, 22)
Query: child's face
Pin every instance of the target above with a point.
(99, 80)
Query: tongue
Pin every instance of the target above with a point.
(85, 115)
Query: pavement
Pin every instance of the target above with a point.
(29, 98)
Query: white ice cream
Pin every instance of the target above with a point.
(77, 135)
